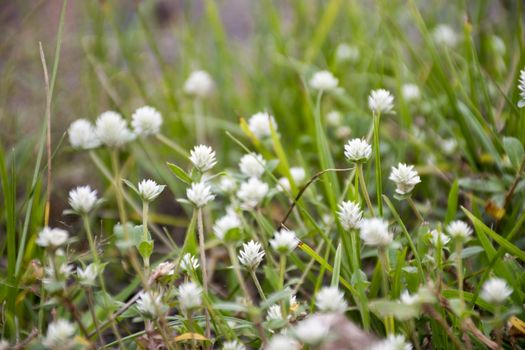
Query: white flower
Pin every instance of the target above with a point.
(251, 254)
(227, 184)
(146, 121)
(149, 190)
(112, 130)
(149, 304)
(392, 342)
(252, 165)
(52, 237)
(59, 335)
(203, 157)
(87, 277)
(259, 124)
(282, 342)
(166, 268)
(199, 84)
(199, 194)
(252, 192)
(82, 199)
(350, 215)
(408, 299)
(189, 263)
(55, 280)
(334, 118)
(345, 52)
(436, 236)
(459, 230)
(521, 87)
(375, 232)
(343, 132)
(312, 331)
(330, 299)
(444, 35)
(410, 92)
(405, 178)
(284, 241)
(495, 290)
(233, 345)
(381, 101)
(190, 295)
(274, 313)
(82, 134)
(357, 151)
(323, 80)
(226, 223)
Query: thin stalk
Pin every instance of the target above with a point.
(174, 146)
(362, 184)
(91, 306)
(237, 269)
(377, 154)
(200, 121)
(204, 269)
(383, 258)
(498, 329)
(145, 235)
(414, 208)
(282, 268)
(257, 284)
(459, 267)
(163, 334)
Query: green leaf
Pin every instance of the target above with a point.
(452, 205)
(514, 150)
(145, 248)
(179, 173)
(384, 308)
(337, 267)
(130, 185)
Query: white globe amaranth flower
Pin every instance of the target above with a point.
(405, 177)
(252, 192)
(334, 118)
(274, 313)
(227, 184)
(374, 232)
(438, 236)
(189, 263)
(55, 280)
(88, 275)
(203, 158)
(52, 237)
(408, 299)
(189, 295)
(392, 342)
(282, 342)
(312, 331)
(381, 101)
(323, 80)
(149, 190)
(252, 165)
(350, 215)
(150, 304)
(165, 268)
(199, 84)
(82, 134)
(444, 35)
(459, 229)
(59, 335)
(251, 254)
(146, 121)
(495, 290)
(200, 194)
(260, 124)
(233, 345)
(82, 199)
(521, 88)
(357, 150)
(346, 53)
(112, 130)
(330, 299)
(410, 92)
(284, 241)
(226, 223)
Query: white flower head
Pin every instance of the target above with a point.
(82, 199)
(331, 299)
(358, 150)
(392, 342)
(251, 254)
(405, 177)
(252, 192)
(165, 268)
(284, 241)
(59, 335)
(226, 223)
(199, 194)
(112, 130)
(438, 236)
(495, 290)
(189, 263)
(374, 232)
(381, 101)
(260, 124)
(52, 237)
(203, 158)
(190, 295)
(312, 331)
(146, 121)
(252, 165)
(150, 304)
(350, 215)
(274, 313)
(346, 53)
(521, 87)
(282, 342)
(199, 84)
(298, 176)
(82, 134)
(149, 190)
(445, 36)
(334, 118)
(233, 345)
(323, 80)
(227, 184)
(410, 92)
(88, 275)
(458, 229)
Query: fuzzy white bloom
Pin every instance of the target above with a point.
(282, 342)
(410, 92)
(199, 194)
(252, 165)
(199, 84)
(350, 215)
(521, 87)
(146, 121)
(251, 254)
(274, 313)
(252, 192)
(444, 35)
(166, 268)
(227, 184)
(323, 80)
(381, 101)
(374, 232)
(150, 304)
(405, 178)
(408, 299)
(52, 237)
(226, 223)
(331, 299)
(112, 130)
(189, 263)
(312, 331)
(82, 199)
(59, 335)
(392, 342)
(259, 124)
(190, 295)
(149, 190)
(203, 157)
(284, 241)
(87, 276)
(495, 290)
(82, 134)
(458, 229)
(358, 150)
(334, 118)
(233, 345)
(436, 236)
(345, 52)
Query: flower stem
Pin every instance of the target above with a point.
(459, 267)
(174, 146)
(237, 269)
(257, 284)
(377, 153)
(200, 228)
(362, 184)
(383, 258)
(414, 208)
(282, 268)
(145, 235)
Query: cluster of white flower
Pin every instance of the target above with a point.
(52, 237)
(251, 254)
(199, 84)
(260, 124)
(330, 299)
(350, 215)
(405, 178)
(323, 80)
(203, 157)
(149, 190)
(357, 151)
(82, 199)
(200, 194)
(284, 241)
(190, 296)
